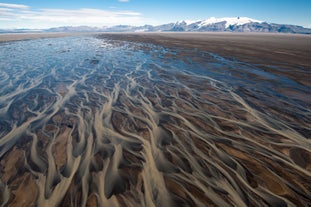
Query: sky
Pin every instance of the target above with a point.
(39, 14)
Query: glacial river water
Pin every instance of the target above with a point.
(87, 121)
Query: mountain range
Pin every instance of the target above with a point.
(230, 24)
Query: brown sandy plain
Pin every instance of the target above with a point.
(184, 143)
(30, 36)
(285, 50)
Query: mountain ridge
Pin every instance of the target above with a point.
(225, 24)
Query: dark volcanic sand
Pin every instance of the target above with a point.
(156, 120)
(286, 50)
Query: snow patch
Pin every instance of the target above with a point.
(229, 21)
(188, 22)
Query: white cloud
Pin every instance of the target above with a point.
(22, 16)
(14, 6)
(123, 0)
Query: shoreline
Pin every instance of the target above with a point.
(11, 37)
(274, 47)
(288, 55)
(143, 125)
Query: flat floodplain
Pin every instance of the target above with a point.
(156, 119)
(29, 36)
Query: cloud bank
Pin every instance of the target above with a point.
(23, 16)
(14, 6)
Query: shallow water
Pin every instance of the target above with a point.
(95, 122)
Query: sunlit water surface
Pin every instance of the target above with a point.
(88, 121)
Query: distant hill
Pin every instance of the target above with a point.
(230, 24)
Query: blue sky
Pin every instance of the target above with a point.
(53, 13)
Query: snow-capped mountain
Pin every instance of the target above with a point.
(233, 24)
(226, 24)
(228, 21)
